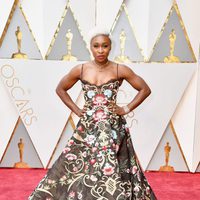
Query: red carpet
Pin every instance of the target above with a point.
(17, 184)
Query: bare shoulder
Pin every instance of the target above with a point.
(76, 71)
(125, 71)
(76, 68)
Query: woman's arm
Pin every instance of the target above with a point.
(65, 84)
(136, 82)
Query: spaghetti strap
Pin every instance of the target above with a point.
(81, 75)
(117, 72)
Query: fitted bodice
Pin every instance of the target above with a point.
(103, 95)
(100, 100)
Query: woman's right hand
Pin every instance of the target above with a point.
(81, 112)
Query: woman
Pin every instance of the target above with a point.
(99, 161)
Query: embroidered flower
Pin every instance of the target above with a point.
(80, 128)
(86, 167)
(114, 134)
(70, 142)
(63, 178)
(108, 93)
(94, 149)
(66, 150)
(75, 169)
(71, 156)
(138, 176)
(99, 115)
(93, 178)
(99, 99)
(104, 148)
(136, 189)
(84, 154)
(90, 112)
(148, 190)
(72, 194)
(96, 144)
(108, 169)
(110, 152)
(90, 93)
(50, 181)
(90, 139)
(128, 194)
(134, 169)
(92, 161)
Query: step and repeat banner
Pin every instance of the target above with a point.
(41, 41)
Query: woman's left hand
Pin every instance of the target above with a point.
(118, 110)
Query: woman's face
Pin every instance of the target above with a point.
(100, 46)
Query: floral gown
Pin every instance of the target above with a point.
(98, 162)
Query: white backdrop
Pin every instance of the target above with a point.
(28, 86)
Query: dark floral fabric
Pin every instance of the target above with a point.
(98, 162)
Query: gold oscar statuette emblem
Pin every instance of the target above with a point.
(122, 58)
(19, 54)
(21, 164)
(68, 56)
(171, 58)
(167, 167)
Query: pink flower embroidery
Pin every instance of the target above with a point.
(75, 169)
(63, 178)
(99, 99)
(96, 144)
(71, 156)
(70, 142)
(138, 175)
(66, 150)
(136, 189)
(72, 194)
(90, 139)
(148, 190)
(84, 154)
(99, 115)
(50, 181)
(80, 128)
(92, 161)
(93, 178)
(134, 169)
(94, 149)
(104, 148)
(86, 167)
(108, 169)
